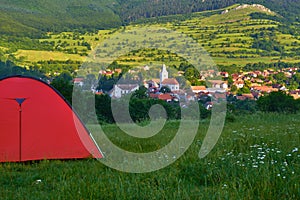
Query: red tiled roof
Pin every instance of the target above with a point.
(154, 96)
(170, 81)
(165, 97)
(198, 87)
(265, 89)
(77, 80)
(118, 70)
(248, 96)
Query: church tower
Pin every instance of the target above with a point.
(163, 74)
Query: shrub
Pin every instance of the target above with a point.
(277, 102)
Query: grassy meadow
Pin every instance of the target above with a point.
(256, 157)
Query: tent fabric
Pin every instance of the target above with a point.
(37, 123)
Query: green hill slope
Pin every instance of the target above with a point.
(56, 15)
(23, 16)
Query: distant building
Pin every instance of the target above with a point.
(171, 83)
(78, 81)
(198, 89)
(265, 89)
(219, 84)
(120, 90)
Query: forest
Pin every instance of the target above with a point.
(33, 18)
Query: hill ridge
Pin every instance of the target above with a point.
(90, 15)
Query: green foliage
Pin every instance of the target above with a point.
(263, 66)
(165, 89)
(8, 68)
(278, 102)
(58, 16)
(240, 107)
(141, 93)
(63, 83)
(103, 109)
(33, 17)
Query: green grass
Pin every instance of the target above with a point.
(35, 56)
(256, 157)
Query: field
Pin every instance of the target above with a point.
(35, 56)
(256, 157)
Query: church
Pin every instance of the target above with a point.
(171, 83)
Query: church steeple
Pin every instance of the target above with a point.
(163, 73)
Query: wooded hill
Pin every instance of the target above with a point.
(33, 17)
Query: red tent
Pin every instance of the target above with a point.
(37, 123)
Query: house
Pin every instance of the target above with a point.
(171, 83)
(165, 97)
(238, 84)
(218, 84)
(152, 85)
(198, 89)
(265, 89)
(78, 81)
(235, 76)
(255, 84)
(120, 90)
(295, 94)
(224, 74)
(118, 70)
(245, 96)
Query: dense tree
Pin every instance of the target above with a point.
(141, 93)
(63, 83)
(277, 102)
(165, 89)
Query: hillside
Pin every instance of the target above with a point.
(31, 17)
(55, 15)
(133, 10)
(235, 37)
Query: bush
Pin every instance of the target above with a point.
(278, 102)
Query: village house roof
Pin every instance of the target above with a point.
(118, 70)
(217, 82)
(265, 89)
(198, 88)
(244, 97)
(255, 84)
(155, 80)
(78, 80)
(170, 81)
(165, 97)
(127, 86)
(238, 82)
(153, 95)
(99, 93)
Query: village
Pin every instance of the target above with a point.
(219, 85)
